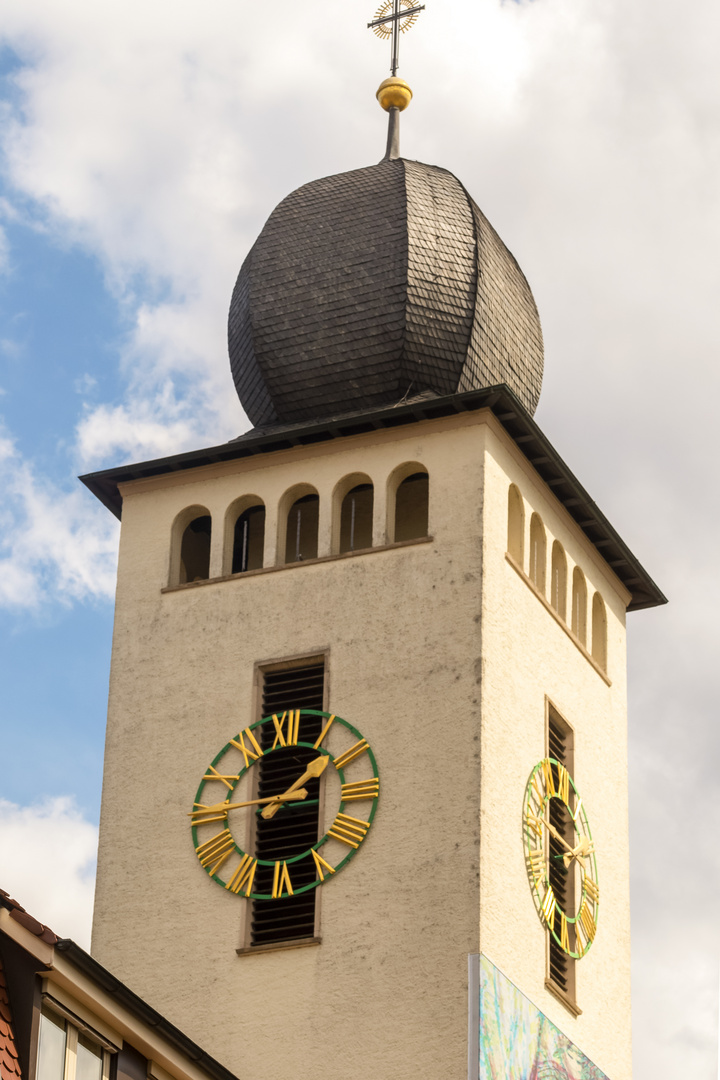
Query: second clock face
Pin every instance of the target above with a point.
(560, 857)
(285, 804)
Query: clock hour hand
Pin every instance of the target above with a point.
(579, 852)
(584, 848)
(316, 767)
(552, 830)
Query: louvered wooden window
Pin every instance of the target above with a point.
(296, 828)
(561, 967)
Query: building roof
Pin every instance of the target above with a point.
(9, 1063)
(372, 284)
(105, 981)
(507, 409)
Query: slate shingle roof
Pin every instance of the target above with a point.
(373, 284)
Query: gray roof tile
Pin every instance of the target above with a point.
(367, 285)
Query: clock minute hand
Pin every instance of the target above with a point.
(316, 767)
(553, 832)
(220, 808)
(578, 852)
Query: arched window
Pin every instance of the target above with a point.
(599, 631)
(579, 605)
(195, 550)
(248, 540)
(301, 535)
(558, 580)
(411, 507)
(356, 518)
(538, 552)
(516, 525)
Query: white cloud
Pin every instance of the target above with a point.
(48, 853)
(131, 433)
(53, 545)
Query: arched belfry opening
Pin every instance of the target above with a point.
(190, 546)
(516, 525)
(538, 552)
(353, 500)
(248, 539)
(301, 526)
(408, 502)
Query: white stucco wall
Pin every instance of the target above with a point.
(408, 633)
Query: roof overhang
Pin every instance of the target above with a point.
(513, 417)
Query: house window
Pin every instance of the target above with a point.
(293, 918)
(248, 540)
(516, 525)
(52, 1047)
(65, 1053)
(561, 967)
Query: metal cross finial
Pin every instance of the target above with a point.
(393, 18)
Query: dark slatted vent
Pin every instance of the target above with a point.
(294, 828)
(562, 971)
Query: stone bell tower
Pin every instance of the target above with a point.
(346, 642)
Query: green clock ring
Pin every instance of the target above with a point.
(560, 858)
(254, 813)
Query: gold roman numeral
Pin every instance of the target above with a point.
(281, 880)
(537, 789)
(250, 753)
(549, 779)
(534, 824)
(549, 905)
(287, 735)
(362, 789)
(355, 751)
(563, 784)
(564, 935)
(536, 859)
(204, 816)
(323, 733)
(578, 808)
(592, 890)
(215, 851)
(228, 781)
(587, 922)
(243, 876)
(321, 865)
(350, 830)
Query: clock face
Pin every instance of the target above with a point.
(285, 804)
(560, 857)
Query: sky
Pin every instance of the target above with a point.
(143, 145)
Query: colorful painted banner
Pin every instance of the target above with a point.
(515, 1041)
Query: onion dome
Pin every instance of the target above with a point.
(373, 286)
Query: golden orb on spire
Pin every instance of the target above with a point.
(394, 93)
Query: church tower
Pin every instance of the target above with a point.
(367, 709)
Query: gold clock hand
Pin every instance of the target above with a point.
(579, 852)
(551, 829)
(221, 807)
(315, 768)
